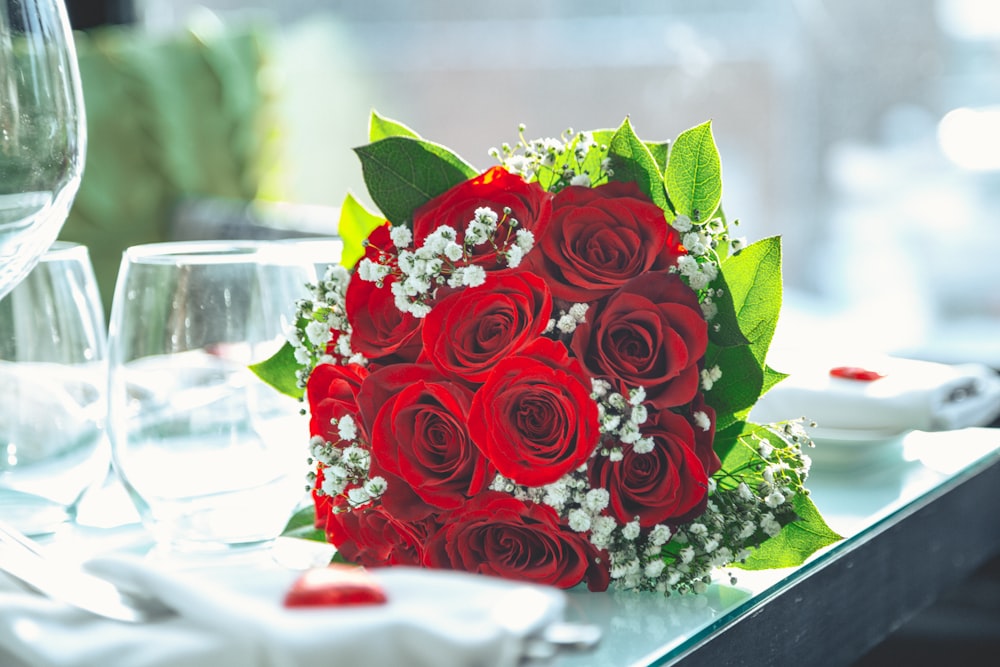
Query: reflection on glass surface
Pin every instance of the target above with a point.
(641, 629)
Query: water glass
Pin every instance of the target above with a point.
(211, 456)
(322, 251)
(53, 375)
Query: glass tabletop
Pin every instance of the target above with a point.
(859, 495)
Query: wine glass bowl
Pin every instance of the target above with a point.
(52, 371)
(42, 131)
(204, 448)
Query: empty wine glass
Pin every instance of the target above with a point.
(42, 131)
(210, 454)
(53, 375)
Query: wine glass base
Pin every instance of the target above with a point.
(33, 515)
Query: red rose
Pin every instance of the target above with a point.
(534, 418)
(332, 392)
(667, 483)
(600, 238)
(420, 434)
(497, 189)
(470, 330)
(379, 329)
(374, 538)
(650, 333)
(497, 534)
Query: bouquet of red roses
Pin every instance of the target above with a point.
(543, 371)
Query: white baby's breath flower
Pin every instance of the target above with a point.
(474, 276)
(581, 179)
(660, 535)
(318, 333)
(636, 396)
(453, 251)
(701, 420)
(358, 496)
(366, 268)
(687, 265)
(597, 499)
(698, 281)
(602, 525)
(525, 240)
(682, 223)
(333, 486)
(302, 355)
(770, 525)
(405, 260)
(579, 520)
(566, 324)
(347, 429)
(401, 236)
(578, 311)
(644, 445)
(376, 486)
(631, 530)
(514, 256)
(774, 499)
(599, 388)
(765, 449)
(654, 568)
(419, 310)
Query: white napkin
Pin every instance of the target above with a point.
(232, 616)
(912, 395)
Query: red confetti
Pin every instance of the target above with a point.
(856, 373)
(335, 586)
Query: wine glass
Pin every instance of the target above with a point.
(42, 131)
(211, 456)
(53, 374)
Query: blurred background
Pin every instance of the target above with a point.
(866, 134)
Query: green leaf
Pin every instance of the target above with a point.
(356, 223)
(302, 524)
(753, 285)
(693, 176)
(753, 277)
(380, 127)
(279, 371)
(631, 160)
(402, 173)
(797, 540)
(740, 386)
(771, 378)
(659, 150)
(728, 333)
(733, 452)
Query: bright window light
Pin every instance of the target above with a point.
(971, 138)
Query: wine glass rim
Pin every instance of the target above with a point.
(64, 250)
(214, 251)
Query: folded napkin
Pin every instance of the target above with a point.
(909, 395)
(232, 615)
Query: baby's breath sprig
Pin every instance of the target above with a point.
(322, 333)
(574, 158)
(443, 260)
(345, 464)
(620, 419)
